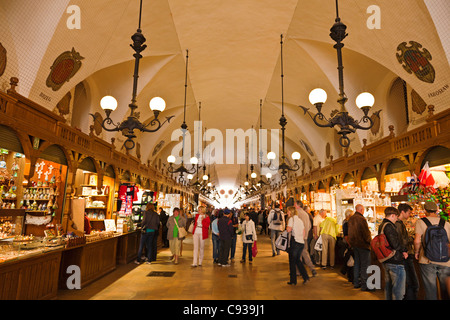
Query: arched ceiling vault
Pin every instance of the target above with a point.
(234, 61)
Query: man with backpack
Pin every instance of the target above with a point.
(394, 267)
(276, 226)
(431, 246)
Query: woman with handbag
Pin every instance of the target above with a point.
(176, 227)
(296, 228)
(200, 234)
(248, 237)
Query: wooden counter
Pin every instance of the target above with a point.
(31, 278)
(95, 259)
(127, 247)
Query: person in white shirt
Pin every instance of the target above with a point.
(276, 226)
(304, 216)
(296, 228)
(200, 234)
(248, 237)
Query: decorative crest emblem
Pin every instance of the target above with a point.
(63, 69)
(413, 59)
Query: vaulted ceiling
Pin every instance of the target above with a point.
(234, 62)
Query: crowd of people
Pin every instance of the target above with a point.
(313, 241)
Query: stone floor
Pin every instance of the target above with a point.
(265, 279)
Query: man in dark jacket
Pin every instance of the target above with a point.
(359, 239)
(412, 281)
(394, 268)
(226, 232)
(149, 232)
(163, 216)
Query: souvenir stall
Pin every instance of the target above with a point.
(90, 200)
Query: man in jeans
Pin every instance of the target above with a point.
(226, 231)
(359, 239)
(276, 226)
(394, 268)
(430, 269)
(412, 282)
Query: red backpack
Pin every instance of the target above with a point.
(381, 247)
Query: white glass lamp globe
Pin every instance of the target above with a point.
(365, 99)
(209, 184)
(268, 175)
(190, 176)
(108, 103)
(246, 183)
(157, 104)
(194, 160)
(205, 177)
(253, 175)
(296, 155)
(317, 96)
(271, 155)
(171, 159)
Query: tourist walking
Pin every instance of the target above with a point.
(394, 268)
(359, 239)
(175, 222)
(149, 229)
(329, 230)
(297, 243)
(248, 238)
(430, 267)
(276, 226)
(317, 220)
(215, 235)
(412, 281)
(226, 232)
(199, 235)
(304, 216)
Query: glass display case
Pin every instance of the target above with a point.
(11, 222)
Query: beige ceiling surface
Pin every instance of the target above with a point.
(234, 61)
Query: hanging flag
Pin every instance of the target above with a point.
(425, 176)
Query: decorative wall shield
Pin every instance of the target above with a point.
(63, 69)
(376, 122)
(418, 105)
(2, 59)
(413, 59)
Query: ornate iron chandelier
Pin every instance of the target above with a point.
(181, 170)
(109, 103)
(346, 123)
(283, 167)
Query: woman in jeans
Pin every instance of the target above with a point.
(215, 235)
(248, 237)
(297, 243)
(149, 228)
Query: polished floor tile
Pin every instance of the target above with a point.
(265, 279)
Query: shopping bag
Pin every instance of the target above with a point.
(283, 241)
(254, 249)
(318, 245)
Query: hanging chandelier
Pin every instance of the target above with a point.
(109, 103)
(346, 123)
(182, 170)
(283, 167)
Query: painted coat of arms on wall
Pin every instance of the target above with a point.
(65, 66)
(416, 60)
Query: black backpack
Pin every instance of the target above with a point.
(277, 217)
(435, 241)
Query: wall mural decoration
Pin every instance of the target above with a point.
(2, 59)
(376, 122)
(65, 66)
(63, 105)
(417, 61)
(418, 105)
(158, 147)
(307, 148)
